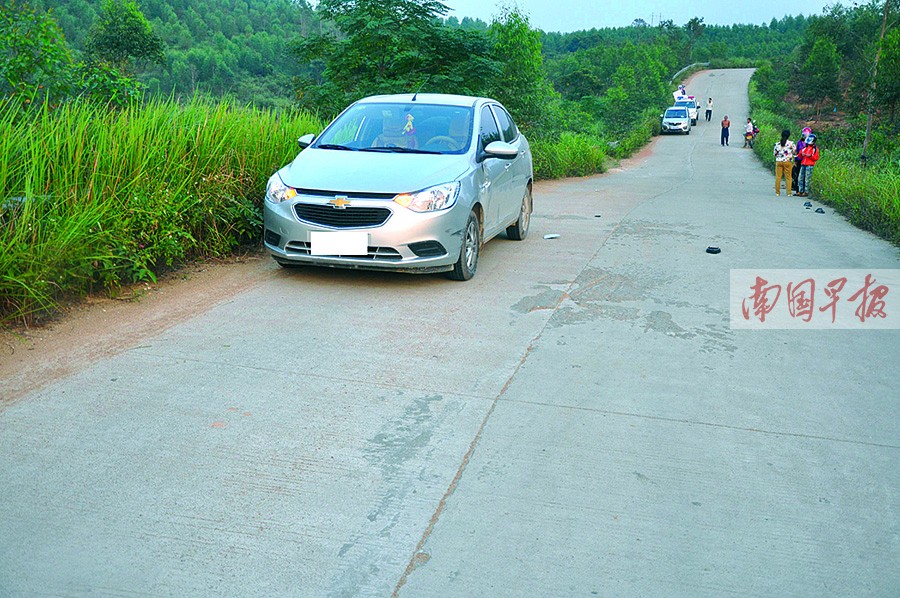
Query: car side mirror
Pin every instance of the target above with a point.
(305, 141)
(502, 150)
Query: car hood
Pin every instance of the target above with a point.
(371, 172)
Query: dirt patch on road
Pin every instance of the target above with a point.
(101, 326)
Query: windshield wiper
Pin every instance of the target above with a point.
(335, 146)
(398, 150)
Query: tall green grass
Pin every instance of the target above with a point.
(573, 154)
(580, 154)
(868, 196)
(93, 198)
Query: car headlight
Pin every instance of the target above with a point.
(439, 197)
(277, 191)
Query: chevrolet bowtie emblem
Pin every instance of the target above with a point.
(340, 202)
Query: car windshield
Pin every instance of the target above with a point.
(401, 128)
(685, 103)
(673, 113)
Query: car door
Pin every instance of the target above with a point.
(494, 173)
(517, 171)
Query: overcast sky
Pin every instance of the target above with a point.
(574, 15)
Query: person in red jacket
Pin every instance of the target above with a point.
(795, 172)
(809, 155)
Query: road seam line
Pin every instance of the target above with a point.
(707, 424)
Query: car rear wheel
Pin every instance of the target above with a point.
(518, 230)
(465, 266)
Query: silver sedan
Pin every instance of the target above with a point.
(414, 182)
(676, 120)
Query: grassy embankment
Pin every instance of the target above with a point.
(583, 155)
(868, 196)
(92, 198)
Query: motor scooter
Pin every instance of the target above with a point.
(750, 137)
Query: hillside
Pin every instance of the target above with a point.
(233, 47)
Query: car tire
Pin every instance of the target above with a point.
(518, 230)
(470, 248)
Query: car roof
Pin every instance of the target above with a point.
(444, 99)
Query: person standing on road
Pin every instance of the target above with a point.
(725, 124)
(801, 143)
(709, 109)
(784, 162)
(809, 155)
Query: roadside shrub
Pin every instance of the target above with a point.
(647, 126)
(571, 155)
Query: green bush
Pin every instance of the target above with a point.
(646, 127)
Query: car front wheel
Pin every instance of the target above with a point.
(518, 230)
(465, 266)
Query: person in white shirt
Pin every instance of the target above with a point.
(709, 110)
(784, 161)
(748, 134)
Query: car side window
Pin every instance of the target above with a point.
(510, 132)
(489, 131)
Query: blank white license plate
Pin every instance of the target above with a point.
(338, 243)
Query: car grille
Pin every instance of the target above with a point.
(326, 215)
(374, 253)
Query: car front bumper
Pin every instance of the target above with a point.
(405, 241)
(674, 128)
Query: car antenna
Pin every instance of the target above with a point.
(424, 83)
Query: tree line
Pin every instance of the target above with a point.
(843, 74)
(277, 52)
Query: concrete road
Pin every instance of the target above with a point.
(578, 420)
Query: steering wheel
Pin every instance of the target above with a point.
(451, 143)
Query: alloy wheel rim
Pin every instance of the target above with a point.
(526, 215)
(471, 245)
